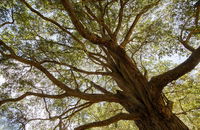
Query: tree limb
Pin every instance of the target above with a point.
(51, 21)
(98, 87)
(5, 23)
(185, 42)
(120, 116)
(138, 16)
(159, 82)
(32, 94)
(84, 32)
(120, 15)
(100, 21)
(69, 91)
(74, 68)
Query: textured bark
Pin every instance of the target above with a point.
(159, 118)
(154, 113)
(157, 122)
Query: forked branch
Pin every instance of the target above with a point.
(51, 21)
(138, 16)
(32, 94)
(84, 32)
(160, 81)
(120, 17)
(61, 85)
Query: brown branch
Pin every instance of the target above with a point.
(64, 45)
(84, 32)
(120, 15)
(159, 82)
(98, 87)
(138, 16)
(46, 107)
(75, 107)
(5, 23)
(6, 47)
(187, 46)
(52, 21)
(120, 116)
(42, 16)
(197, 15)
(100, 21)
(189, 110)
(75, 81)
(80, 109)
(74, 68)
(69, 91)
(32, 94)
(98, 61)
(185, 42)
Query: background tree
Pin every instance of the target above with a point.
(70, 58)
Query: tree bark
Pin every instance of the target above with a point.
(136, 96)
(157, 122)
(160, 118)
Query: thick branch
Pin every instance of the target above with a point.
(98, 87)
(69, 91)
(79, 26)
(187, 46)
(138, 16)
(32, 94)
(160, 81)
(120, 116)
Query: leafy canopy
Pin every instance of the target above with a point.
(43, 50)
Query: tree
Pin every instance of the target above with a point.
(72, 55)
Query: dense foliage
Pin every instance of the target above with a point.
(60, 70)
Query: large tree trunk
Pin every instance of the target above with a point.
(157, 122)
(159, 118)
(137, 97)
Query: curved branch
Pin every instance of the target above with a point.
(5, 23)
(187, 46)
(74, 68)
(42, 16)
(185, 42)
(120, 116)
(187, 111)
(98, 87)
(61, 85)
(52, 21)
(120, 15)
(100, 21)
(160, 81)
(84, 32)
(138, 16)
(32, 94)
